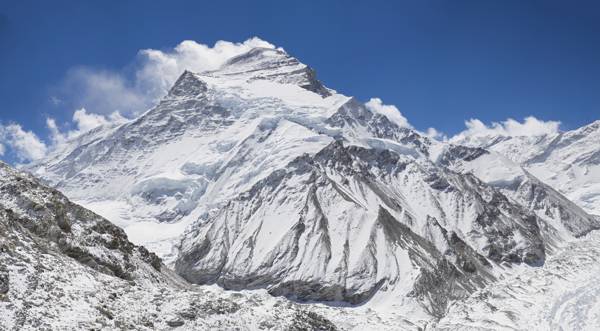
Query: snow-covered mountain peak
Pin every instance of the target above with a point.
(188, 84)
(594, 126)
(273, 65)
(258, 57)
(581, 137)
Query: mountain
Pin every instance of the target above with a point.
(568, 161)
(257, 176)
(64, 267)
(178, 160)
(564, 220)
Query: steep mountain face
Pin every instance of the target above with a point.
(64, 267)
(568, 161)
(257, 176)
(348, 221)
(198, 148)
(562, 218)
(273, 65)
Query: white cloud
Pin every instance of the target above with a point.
(530, 126)
(394, 115)
(82, 122)
(101, 96)
(390, 111)
(159, 69)
(102, 92)
(433, 133)
(25, 145)
(55, 101)
(56, 136)
(154, 72)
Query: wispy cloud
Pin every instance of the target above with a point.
(130, 92)
(393, 114)
(101, 92)
(81, 123)
(433, 133)
(104, 97)
(389, 111)
(25, 145)
(158, 69)
(530, 126)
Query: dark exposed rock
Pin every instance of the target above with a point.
(175, 323)
(460, 153)
(104, 311)
(218, 307)
(54, 221)
(314, 84)
(185, 263)
(317, 291)
(187, 85)
(467, 259)
(439, 285)
(61, 219)
(150, 258)
(118, 237)
(308, 320)
(4, 283)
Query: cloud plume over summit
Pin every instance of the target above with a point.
(133, 91)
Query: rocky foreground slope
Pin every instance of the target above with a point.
(63, 267)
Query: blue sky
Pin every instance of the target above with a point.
(439, 62)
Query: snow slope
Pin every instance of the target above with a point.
(568, 161)
(562, 295)
(178, 160)
(563, 218)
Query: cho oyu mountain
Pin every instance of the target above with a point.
(256, 175)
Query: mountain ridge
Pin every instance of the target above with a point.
(569, 161)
